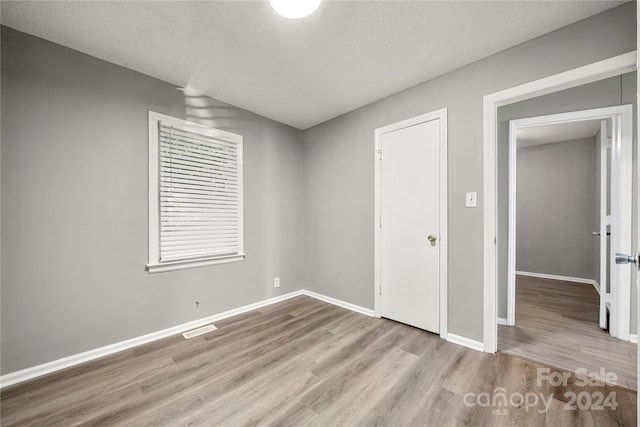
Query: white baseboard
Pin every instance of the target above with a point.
(76, 359)
(591, 282)
(633, 338)
(465, 342)
(503, 321)
(339, 303)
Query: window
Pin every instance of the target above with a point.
(195, 195)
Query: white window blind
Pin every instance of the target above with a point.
(197, 196)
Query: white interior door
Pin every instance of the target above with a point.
(410, 225)
(620, 189)
(604, 223)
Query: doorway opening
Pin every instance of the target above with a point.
(614, 66)
(570, 208)
(561, 245)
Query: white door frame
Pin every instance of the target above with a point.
(443, 237)
(638, 201)
(611, 67)
(622, 136)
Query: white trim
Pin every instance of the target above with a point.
(511, 234)
(444, 225)
(633, 338)
(617, 65)
(152, 191)
(637, 302)
(503, 321)
(443, 200)
(181, 265)
(490, 220)
(76, 359)
(87, 356)
(591, 282)
(466, 342)
(339, 303)
(603, 145)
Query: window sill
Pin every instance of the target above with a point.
(203, 262)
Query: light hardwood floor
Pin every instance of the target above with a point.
(557, 325)
(304, 362)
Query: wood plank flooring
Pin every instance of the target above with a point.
(557, 325)
(305, 362)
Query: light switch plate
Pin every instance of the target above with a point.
(472, 200)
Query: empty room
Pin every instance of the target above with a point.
(318, 212)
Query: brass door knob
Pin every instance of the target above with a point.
(432, 238)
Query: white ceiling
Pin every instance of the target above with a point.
(298, 72)
(547, 134)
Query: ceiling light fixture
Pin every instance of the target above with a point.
(294, 9)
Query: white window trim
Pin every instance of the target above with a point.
(154, 265)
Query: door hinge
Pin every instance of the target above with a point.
(380, 222)
(379, 151)
(495, 241)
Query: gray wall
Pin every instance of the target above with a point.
(74, 192)
(556, 208)
(74, 206)
(618, 90)
(339, 164)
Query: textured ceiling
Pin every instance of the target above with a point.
(546, 134)
(299, 72)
